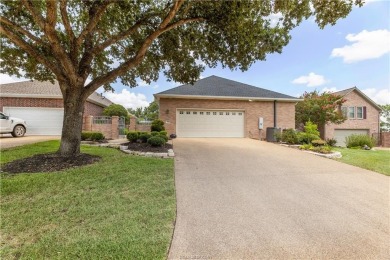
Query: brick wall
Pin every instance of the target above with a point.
(89, 109)
(385, 139)
(110, 131)
(371, 122)
(253, 110)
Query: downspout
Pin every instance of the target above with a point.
(275, 114)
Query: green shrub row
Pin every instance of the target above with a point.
(144, 137)
(91, 136)
(360, 141)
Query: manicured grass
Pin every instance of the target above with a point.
(122, 207)
(377, 160)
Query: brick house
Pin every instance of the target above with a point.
(218, 107)
(363, 117)
(41, 105)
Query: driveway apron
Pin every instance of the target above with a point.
(247, 199)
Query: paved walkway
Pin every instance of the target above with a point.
(246, 199)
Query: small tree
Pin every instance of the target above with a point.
(385, 114)
(157, 125)
(116, 110)
(319, 109)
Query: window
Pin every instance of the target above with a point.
(201, 113)
(194, 113)
(359, 112)
(351, 112)
(181, 112)
(188, 112)
(344, 111)
(221, 113)
(207, 113)
(214, 113)
(227, 113)
(234, 113)
(240, 114)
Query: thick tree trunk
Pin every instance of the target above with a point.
(72, 124)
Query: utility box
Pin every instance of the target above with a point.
(271, 132)
(261, 123)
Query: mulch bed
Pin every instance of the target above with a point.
(145, 147)
(48, 163)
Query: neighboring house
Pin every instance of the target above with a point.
(218, 107)
(41, 105)
(362, 115)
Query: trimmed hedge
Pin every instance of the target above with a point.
(144, 136)
(156, 141)
(132, 136)
(157, 125)
(92, 136)
(359, 141)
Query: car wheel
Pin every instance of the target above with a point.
(19, 131)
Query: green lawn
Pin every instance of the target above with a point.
(122, 207)
(377, 161)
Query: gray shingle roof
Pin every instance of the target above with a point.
(214, 86)
(45, 89)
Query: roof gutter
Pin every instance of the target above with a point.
(158, 96)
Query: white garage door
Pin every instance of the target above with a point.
(209, 123)
(341, 134)
(40, 121)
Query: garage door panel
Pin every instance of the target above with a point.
(40, 121)
(341, 134)
(198, 123)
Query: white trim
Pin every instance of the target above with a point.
(211, 109)
(158, 96)
(58, 108)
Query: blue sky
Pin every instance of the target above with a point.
(354, 52)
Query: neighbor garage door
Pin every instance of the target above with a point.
(341, 134)
(40, 121)
(209, 123)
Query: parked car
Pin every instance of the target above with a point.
(12, 125)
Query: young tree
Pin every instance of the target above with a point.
(385, 114)
(319, 109)
(151, 112)
(116, 110)
(71, 41)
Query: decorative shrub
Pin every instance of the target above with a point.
(144, 136)
(164, 135)
(92, 136)
(278, 136)
(132, 136)
(310, 133)
(157, 125)
(318, 149)
(360, 141)
(318, 142)
(289, 136)
(331, 141)
(154, 133)
(156, 141)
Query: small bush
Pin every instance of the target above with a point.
(132, 136)
(306, 138)
(289, 136)
(163, 133)
(331, 141)
(156, 141)
(278, 136)
(322, 149)
(144, 136)
(360, 141)
(163, 136)
(157, 125)
(318, 142)
(92, 136)
(154, 133)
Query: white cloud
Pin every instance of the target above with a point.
(275, 19)
(142, 83)
(380, 96)
(311, 80)
(4, 79)
(128, 99)
(365, 45)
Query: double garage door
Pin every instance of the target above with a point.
(40, 121)
(209, 123)
(341, 134)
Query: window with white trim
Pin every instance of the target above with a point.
(351, 112)
(181, 112)
(359, 112)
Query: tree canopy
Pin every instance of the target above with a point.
(147, 113)
(103, 40)
(319, 108)
(385, 114)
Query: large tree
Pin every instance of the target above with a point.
(319, 108)
(73, 40)
(385, 118)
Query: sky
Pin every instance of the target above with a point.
(354, 52)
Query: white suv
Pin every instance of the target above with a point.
(11, 125)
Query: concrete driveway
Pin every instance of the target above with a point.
(246, 199)
(7, 141)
